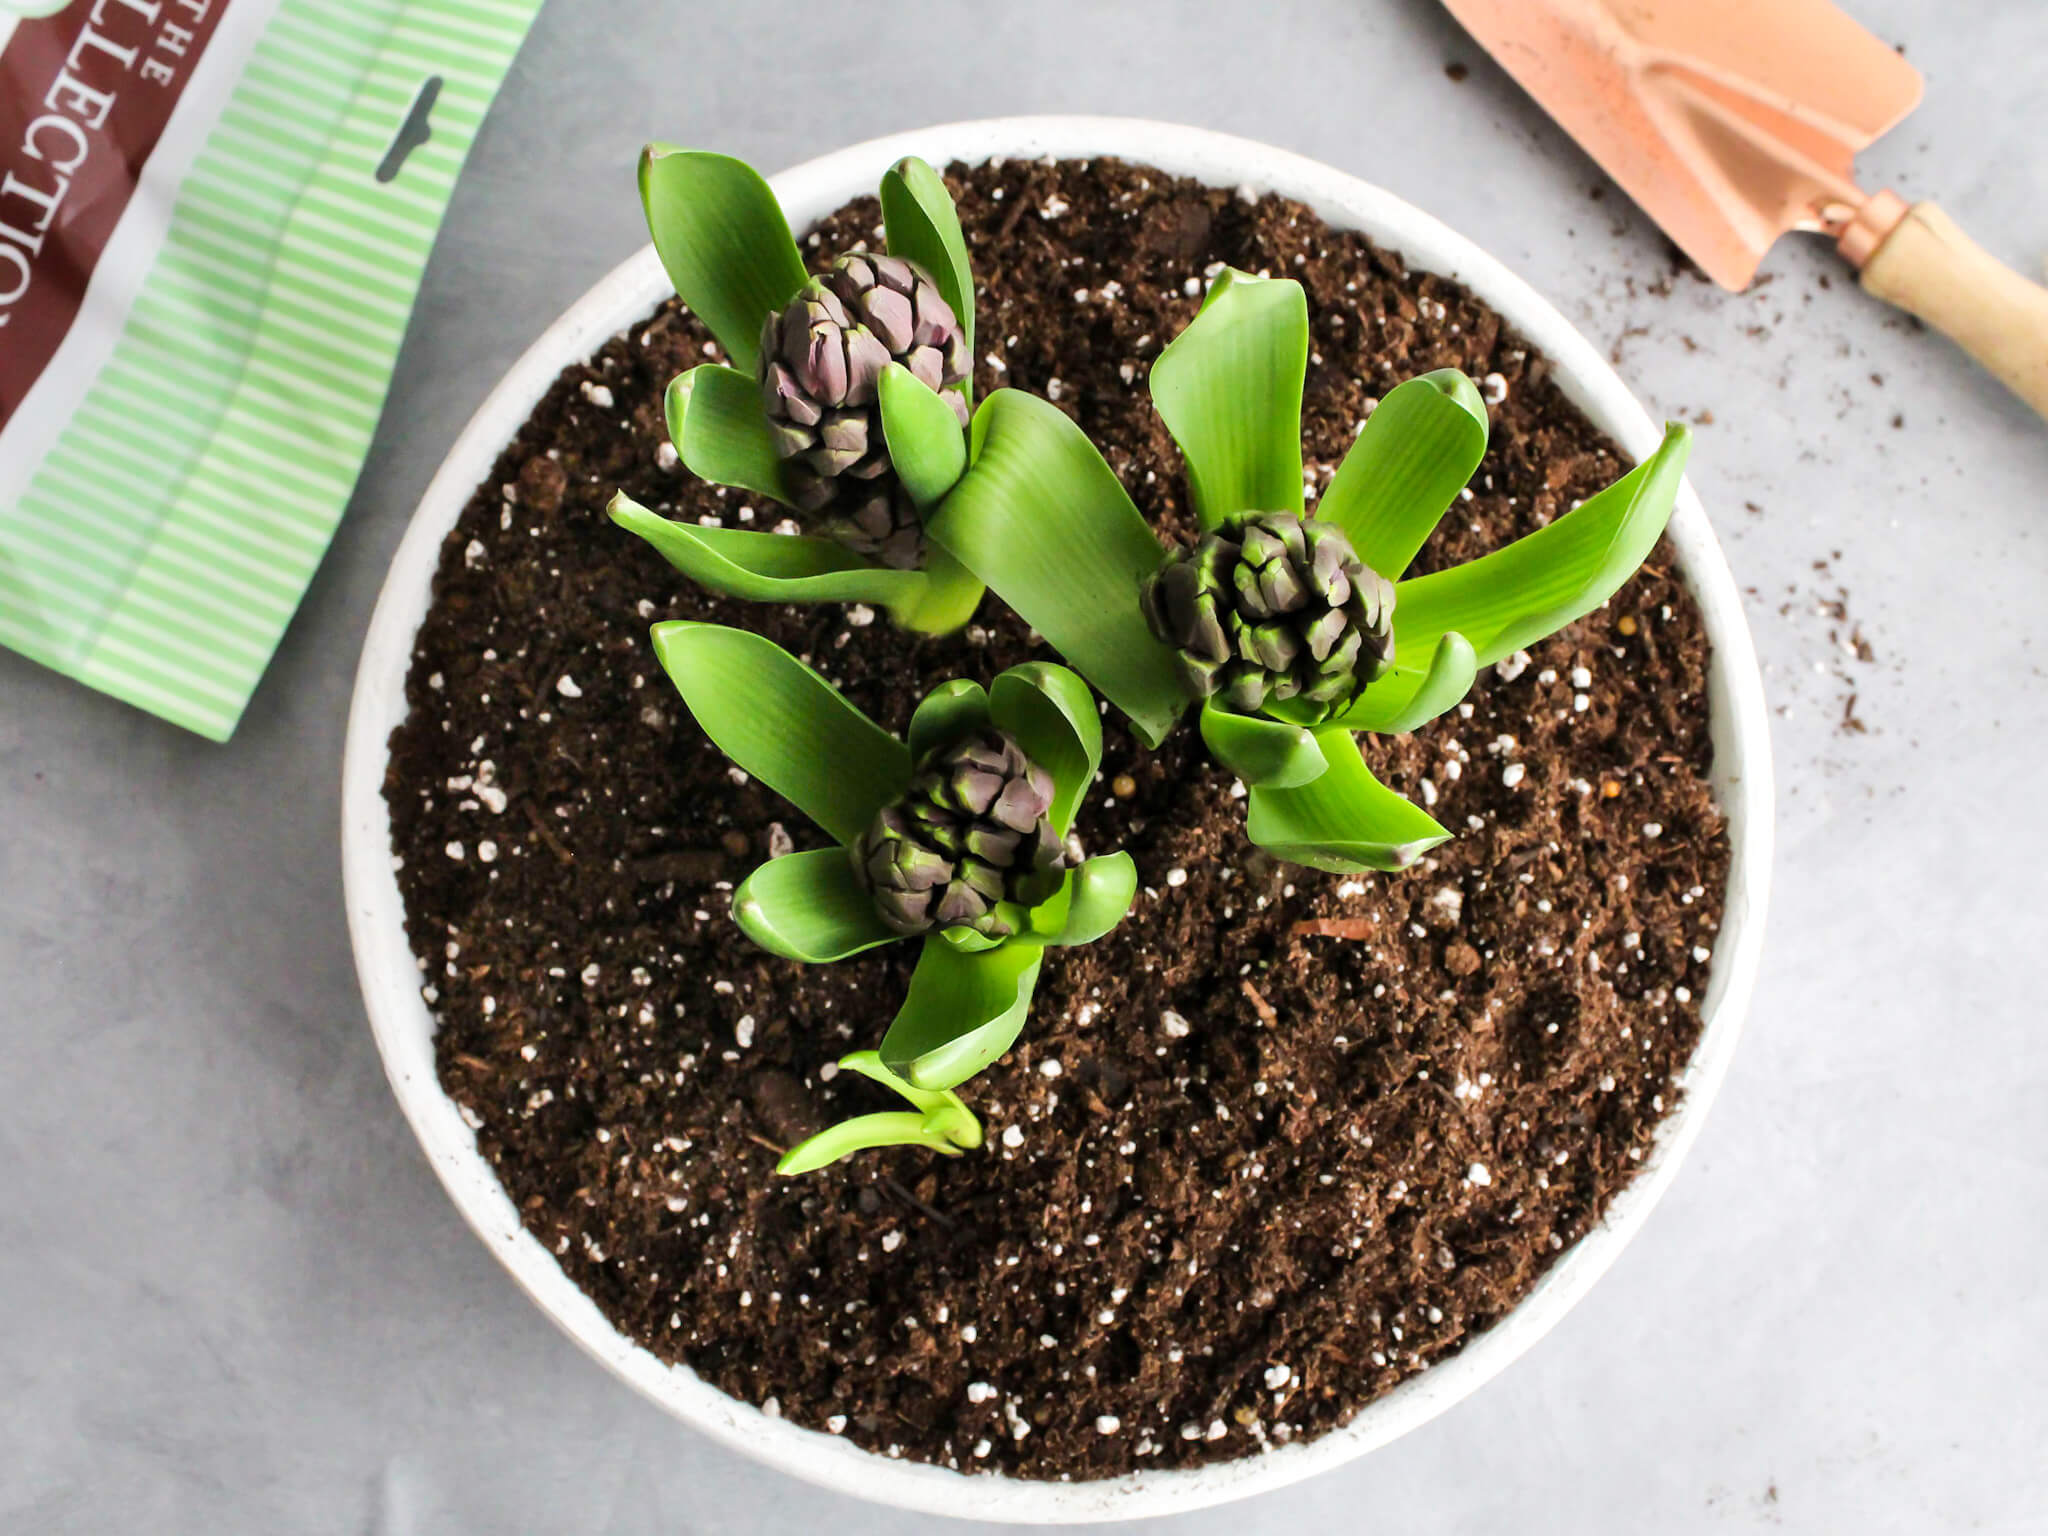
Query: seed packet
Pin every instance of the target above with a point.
(214, 215)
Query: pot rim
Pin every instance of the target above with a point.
(403, 1026)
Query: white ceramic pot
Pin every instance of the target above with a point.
(404, 1029)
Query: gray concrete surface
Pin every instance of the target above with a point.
(233, 1299)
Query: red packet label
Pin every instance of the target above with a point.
(84, 97)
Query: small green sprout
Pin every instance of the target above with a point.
(1292, 630)
(957, 837)
(847, 396)
(937, 1120)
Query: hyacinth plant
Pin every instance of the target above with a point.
(957, 837)
(1292, 631)
(845, 400)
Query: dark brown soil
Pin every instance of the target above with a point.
(1279, 1142)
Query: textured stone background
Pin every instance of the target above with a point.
(237, 1301)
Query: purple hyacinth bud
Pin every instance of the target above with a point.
(824, 368)
(866, 357)
(790, 440)
(784, 400)
(895, 273)
(1269, 608)
(845, 432)
(976, 789)
(888, 315)
(822, 358)
(978, 809)
(927, 366)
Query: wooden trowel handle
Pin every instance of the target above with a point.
(1930, 268)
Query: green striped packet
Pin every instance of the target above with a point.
(214, 215)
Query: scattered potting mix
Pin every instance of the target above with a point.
(1106, 937)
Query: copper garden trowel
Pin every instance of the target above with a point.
(1732, 121)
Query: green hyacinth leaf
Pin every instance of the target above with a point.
(1266, 754)
(1229, 390)
(949, 712)
(1053, 716)
(1516, 596)
(1039, 510)
(968, 942)
(715, 421)
(809, 906)
(724, 242)
(1418, 449)
(923, 226)
(865, 1133)
(947, 599)
(784, 568)
(927, 444)
(941, 1123)
(868, 1064)
(954, 1123)
(785, 725)
(961, 1013)
(1344, 821)
(1400, 708)
(1093, 898)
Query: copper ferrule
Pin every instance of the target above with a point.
(1867, 228)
